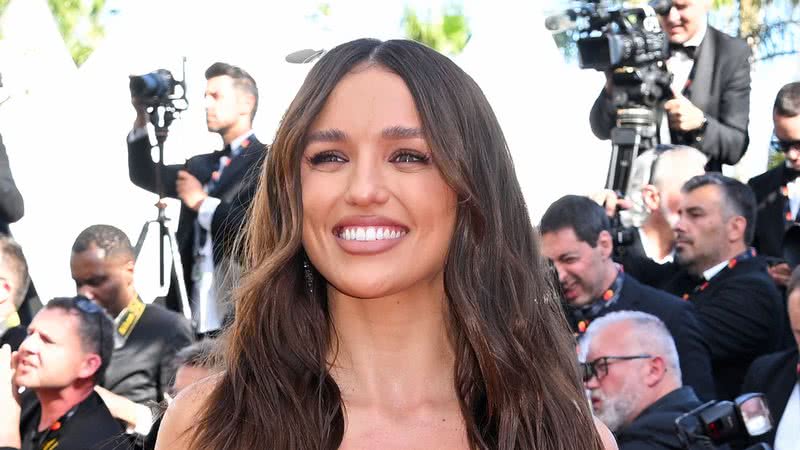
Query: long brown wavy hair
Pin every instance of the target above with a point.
(515, 371)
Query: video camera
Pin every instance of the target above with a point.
(718, 423)
(632, 48)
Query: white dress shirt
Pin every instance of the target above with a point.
(787, 437)
(680, 65)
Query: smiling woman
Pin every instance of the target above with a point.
(394, 295)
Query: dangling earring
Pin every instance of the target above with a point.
(309, 276)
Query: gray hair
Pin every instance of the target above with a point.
(649, 333)
(660, 166)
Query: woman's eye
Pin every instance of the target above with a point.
(325, 157)
(410, 157)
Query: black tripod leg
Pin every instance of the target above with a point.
(142, 237)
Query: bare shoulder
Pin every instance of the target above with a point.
(609, 443)
(175, 431)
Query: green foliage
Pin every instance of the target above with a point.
(449, 34)
(79, 24)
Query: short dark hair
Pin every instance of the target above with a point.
(586, 218)
(109, 238)
(738, 197)
(787, 102)
(12, 258)
(199, 354)
(96, 330)
(241, 80)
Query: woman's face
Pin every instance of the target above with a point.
(377, 214)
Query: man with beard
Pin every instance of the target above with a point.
(632, 372)
(735, 300)
(576, 239)
(215, 188)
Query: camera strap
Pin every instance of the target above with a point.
(129, 319)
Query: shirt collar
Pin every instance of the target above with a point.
(236, 143)
(695, 40)
(710, 273)
(649, 250)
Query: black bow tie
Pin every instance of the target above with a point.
(789, 175)
(688, 50)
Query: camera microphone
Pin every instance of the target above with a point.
(558, 23)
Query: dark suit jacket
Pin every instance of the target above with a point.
(742, 315)
(720, 88)
(770, 222)
(12, 206)
(236, 189)
(654, 428)
(679, 317)
(775, 375)
(142, 369)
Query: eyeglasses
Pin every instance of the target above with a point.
(91, 308)
(784, 146)
(599, 367)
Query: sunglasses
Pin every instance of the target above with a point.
(599, 367)
(91, 308)
(784, 146)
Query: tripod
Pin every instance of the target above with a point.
(635, 132)
(161, 117)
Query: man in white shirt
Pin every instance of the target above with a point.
(215, 188)
(711, 88)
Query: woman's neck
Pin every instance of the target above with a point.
(392, 351)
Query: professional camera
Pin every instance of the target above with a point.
(632, 48)
(717, 423)
(154, 87)
(159, 88)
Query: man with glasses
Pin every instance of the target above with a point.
(778, 190)
(65, 354)
(146, 336)
(576, 238)
(633, 376)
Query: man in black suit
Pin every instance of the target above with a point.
(632, 372)
(776, 375)
(576, 238)
(215, 188)
(146, 337)
(711, 86)
(13, 286)
(735, 300)
(777, 190)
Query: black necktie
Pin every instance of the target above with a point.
(688, 50)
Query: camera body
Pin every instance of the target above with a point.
(154, 88)
(630, 44)
(717, 423)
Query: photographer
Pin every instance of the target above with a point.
(777, 190)
(215, 188)
(711, 87)
(634, 378)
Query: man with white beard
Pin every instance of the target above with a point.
(633, 376)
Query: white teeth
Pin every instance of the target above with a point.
(369, 234)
